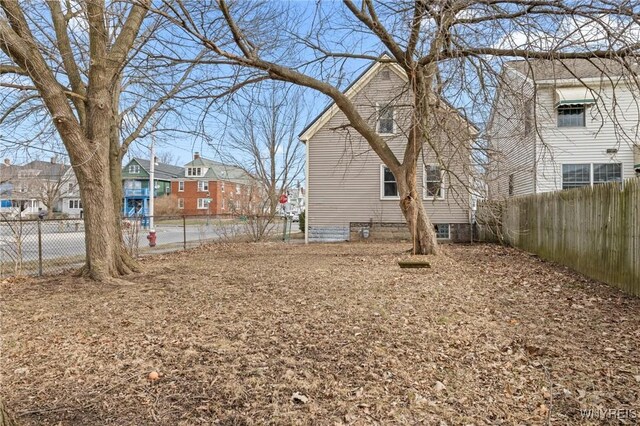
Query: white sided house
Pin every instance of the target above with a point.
(562, 124)
(351, 195)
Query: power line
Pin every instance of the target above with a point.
(27, 145)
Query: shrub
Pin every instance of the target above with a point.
(301, 220)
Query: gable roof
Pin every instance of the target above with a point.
(363, 79)
(356, 85)
(220, 171)
(564, 69)
(47, 169)
(161, 171)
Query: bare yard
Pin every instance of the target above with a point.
(322, 334)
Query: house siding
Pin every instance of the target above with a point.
(589, 144)
(513, 150)
(344, 182)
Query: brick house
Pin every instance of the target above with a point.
(210, 187)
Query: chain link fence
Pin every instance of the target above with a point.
(49, 246)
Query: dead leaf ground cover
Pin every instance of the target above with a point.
(322, 334)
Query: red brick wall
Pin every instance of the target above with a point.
(222, 199)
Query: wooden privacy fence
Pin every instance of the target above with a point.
(594, 230)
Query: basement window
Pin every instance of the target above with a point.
(442, 231)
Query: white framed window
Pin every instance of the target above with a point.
(194, 171)
(222, 204)
(238, 190)
(134, 169)
(203, 185)
(167, 189)
(578, 175)
(180, 186)
(607, 172)
(75, 204)
(443, 231)
(385, 119)
(433, 182)
(571, 116)
(388, 184)
(203, 203)
(222, 186)
(70, 187)
(181, 203)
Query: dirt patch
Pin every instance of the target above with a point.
(322, 334)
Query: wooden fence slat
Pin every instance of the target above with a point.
(594, 230)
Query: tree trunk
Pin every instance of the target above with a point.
(5, 418)
(106, 255)
(421, 229)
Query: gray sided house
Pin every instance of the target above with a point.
(351, 194)
(562, 124)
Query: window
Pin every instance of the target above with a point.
(385, 120)
(75, 204)
(571, 116)
(433, 184)
(134, 169)
(194, 171)
(611, 172)
(203, 203)
(389, 186)
(442, 231)
(222, 186)
(181, 186)
(385, 75)
(222, 204)
(577, 175)
(511, 178)
(181, 203)
(70, 188)
(203, 185)
(238, 191)
(167, 189)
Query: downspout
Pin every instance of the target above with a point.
(306, 193)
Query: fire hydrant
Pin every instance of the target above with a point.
(152, 238)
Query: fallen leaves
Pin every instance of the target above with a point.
(321, 334)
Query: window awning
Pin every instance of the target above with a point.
(575, 96)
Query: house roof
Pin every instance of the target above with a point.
(46, 168)
(363, 79)
(562, 69)
(161, 170)
(220, 171)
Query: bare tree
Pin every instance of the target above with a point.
(450, 51)
(92, 74)
(262, 138)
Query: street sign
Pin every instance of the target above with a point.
(284, 199)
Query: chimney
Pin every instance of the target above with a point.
(196, 155)
(7, 162)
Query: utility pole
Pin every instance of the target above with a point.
(152, 184)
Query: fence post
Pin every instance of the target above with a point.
(39, 247)
(184, 232)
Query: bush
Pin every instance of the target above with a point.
(302, 217)
(166, 205)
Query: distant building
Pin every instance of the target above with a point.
(135, 181)
(32, 188)
(562, 124)
(211, 187)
